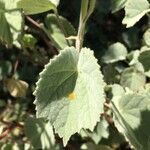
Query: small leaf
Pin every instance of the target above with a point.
(110, 73)
(134, 11)
(115, 53)
(133, 79)
(28, 41)
(42, 136)
(146, 37)
(56, 2)
(100, 131)
(32, 7)
(17, 88)
(69, 72)
(11, 22)
(144, 58)
(5, 33)
(133, 57)
(55, 33)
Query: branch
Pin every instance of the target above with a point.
(42, 35)
(10, 127)
(6, 132)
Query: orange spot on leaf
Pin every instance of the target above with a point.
(72, 96)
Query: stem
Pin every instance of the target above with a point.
(33, 22)
(80, 36)
(61, 27)
(11, 126)
(43, 36)
(16, 66)
(87, 7)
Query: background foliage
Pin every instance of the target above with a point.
(118, 32)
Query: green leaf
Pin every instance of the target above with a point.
(110, 73)
(84, 9)
(55, 2)
(144, 58)
(146, 37)
(70, 92)
(5, 33)
(143, 131)
(127, 108)
(29, 41)
(32, 7)
(11, 22)
(134, 11)
(40, 133)
(133, 57)
(55, 33)
(92, 4)
(115, 52)
(100, 131)
(133, 79)
(117, 5)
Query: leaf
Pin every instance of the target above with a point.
(144, 58)
(116, 52)
(110, 73)
(69, 72)
(117, 5)
(55, 33)
(100, 131)
(133, 79)
(29, 41)
(11, 22)
(133, 57)
(42, 136)
(146, 37)
(127, 109)
(32, 7)
(56, 2)
(5, 33)
(143, 131)
(134, 11)
(17, 88)
(131, 38)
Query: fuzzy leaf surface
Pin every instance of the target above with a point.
(74, 99)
